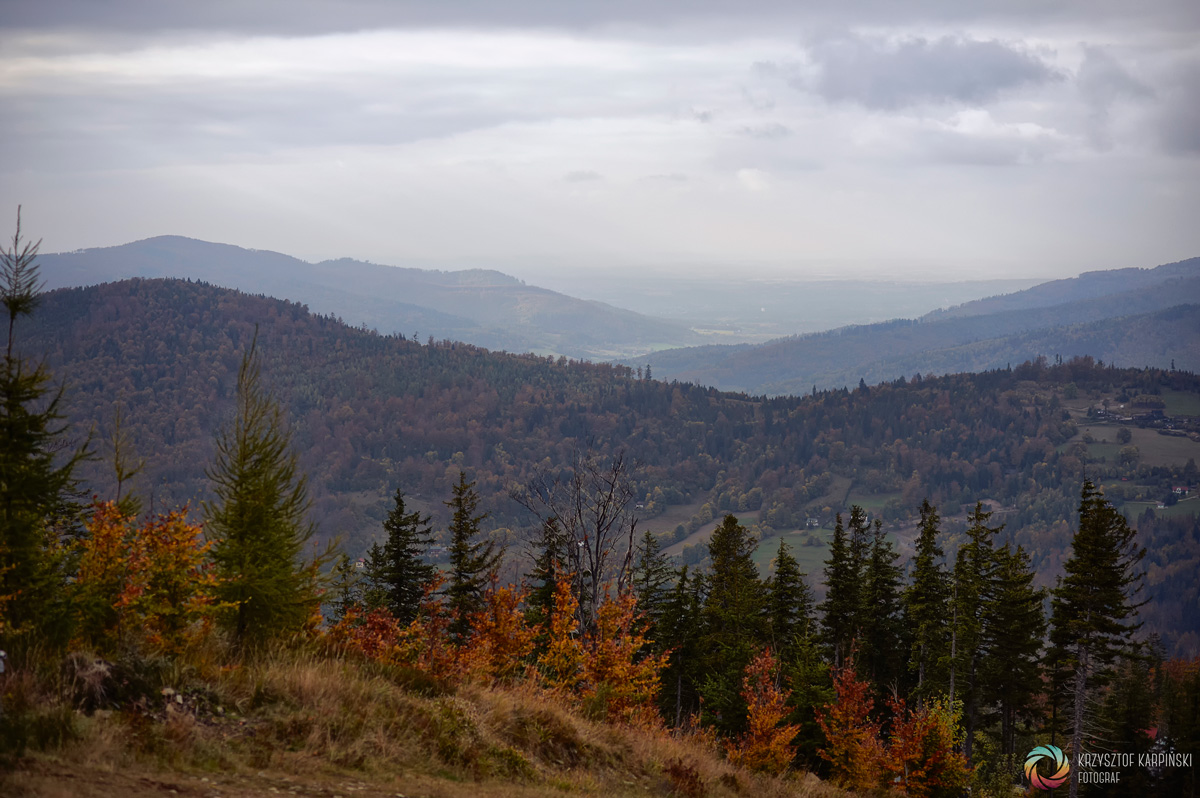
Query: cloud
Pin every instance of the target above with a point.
(1103, 82)
(1179, 120)
(888, 75)
(753, 179)
(582, 176)
(767, 130)
(673, 177)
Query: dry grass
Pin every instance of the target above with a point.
(312, 723)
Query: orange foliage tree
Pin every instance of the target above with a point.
(500, 638)
(765, 746)
(150, 583)
(921, 749)
(854, 753)
(561, 664)
(616, 674)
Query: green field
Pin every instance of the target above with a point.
(871, 502)
(1187, 507)
(811, 558)
(1180, 403)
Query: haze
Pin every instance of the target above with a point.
(919, 140)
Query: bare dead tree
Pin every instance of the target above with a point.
(594, 508)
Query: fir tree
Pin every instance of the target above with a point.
(258, 520)
(472, 562)
(1095, 607)
(735, 624)
(398, 570)
(678, 633)
(345, 588)
(36, 483)
(926, 606)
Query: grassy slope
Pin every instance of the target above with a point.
(307, 725)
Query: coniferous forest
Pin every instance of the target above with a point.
(235, 536)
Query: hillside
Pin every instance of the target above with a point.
(371, 413)
(477, 306)
(1112, 327)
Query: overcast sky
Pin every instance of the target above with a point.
(828, 138)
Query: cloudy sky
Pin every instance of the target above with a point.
(825, 138)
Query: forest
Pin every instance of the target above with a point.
(931, 677)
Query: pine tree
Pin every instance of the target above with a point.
(790, 607)
(1095, 607)
(926, 607)
(398, 571)
(345, 588)
(472, 562)
(258, 520)
(735, 624)
(37, 487)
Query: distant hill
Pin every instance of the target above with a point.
(371, 413)
(478, 306)
(986, 335)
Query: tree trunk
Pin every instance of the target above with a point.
(1081, 674)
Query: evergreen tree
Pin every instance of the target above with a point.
(842, 609)
(1095, 607)
(472, 562)
(974, 571)
(36, 483)
(679, 633)
(548, 566)
(258, 520)
(345, 588)
(880, 657)
(651, 579)
(926, 607)
(790, 607)
(399, 574)
(1011, 674)
(735, 625)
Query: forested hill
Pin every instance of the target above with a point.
(1134, 317)
(371, 413)
(481, 306)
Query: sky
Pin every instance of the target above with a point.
(929, 139)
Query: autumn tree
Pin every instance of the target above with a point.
(472, 561)
(766, 745)
(1095, 608)
(853, 749)
(258, 520)
(922, 749)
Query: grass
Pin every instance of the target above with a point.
(310, 724)
(1186, 508)
(810, 557)
(1181, 403)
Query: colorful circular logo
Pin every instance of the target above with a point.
(1062, 768)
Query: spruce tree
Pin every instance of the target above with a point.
(549, 562)
(789, 607)
(651, 579)
(927, 607)
(679, 632)
(472, 562)
(882, 626)
(1095, 608)
(1011, 673)
(399, 574)
(842, 609)
(345, 588)
(37, 487)
(258, 520)
(735, 624)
